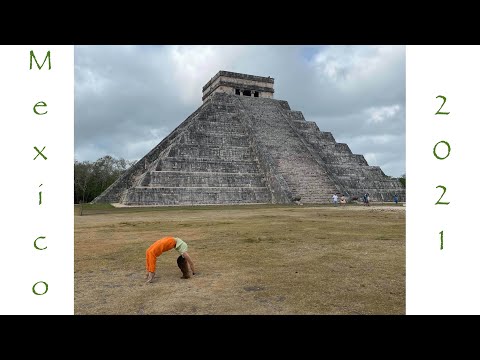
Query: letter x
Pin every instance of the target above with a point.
(39, 153)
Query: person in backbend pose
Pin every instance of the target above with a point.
(165, 244)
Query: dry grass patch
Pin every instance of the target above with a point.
(250, 259)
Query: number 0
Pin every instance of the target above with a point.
(442, 202)
(435, 150)
(442, 112)
(40, 282)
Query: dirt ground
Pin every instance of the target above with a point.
(250, 259)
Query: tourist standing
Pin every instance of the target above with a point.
(335, 199)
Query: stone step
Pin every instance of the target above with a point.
(304, 126)
(222, 106)
(386, 185)
(211, 152)
(294, 115)
(302, 173)
(357, 171)
(224, 126)
(219, 138)
(314, 199)
(325, 137)
(207, 165)
(197, 196)
(322, 191)
(333, 159)
(202, 179)
(217, 132)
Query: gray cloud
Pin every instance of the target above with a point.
(127, 98)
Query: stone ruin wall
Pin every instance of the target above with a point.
(231, 91)
(227, 82)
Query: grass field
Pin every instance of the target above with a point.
(261, 259)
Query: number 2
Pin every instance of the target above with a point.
(444, 101)
(442, 202)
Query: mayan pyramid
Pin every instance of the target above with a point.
(242, 146)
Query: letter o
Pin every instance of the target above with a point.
(435, 150)
(40, 282)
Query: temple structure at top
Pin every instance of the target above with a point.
(238, 84)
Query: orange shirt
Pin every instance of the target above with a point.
(162, 245)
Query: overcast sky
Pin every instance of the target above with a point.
(128, 98)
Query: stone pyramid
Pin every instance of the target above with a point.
(241, 146)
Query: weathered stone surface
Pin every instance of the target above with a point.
(229, 83)
(206, 179)
(196, 196)
(239, 149)
(207, 165)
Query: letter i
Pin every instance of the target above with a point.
(40, 196)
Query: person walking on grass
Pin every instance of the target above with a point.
(395, 198)
(165, 244)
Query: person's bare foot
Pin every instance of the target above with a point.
(150, 277)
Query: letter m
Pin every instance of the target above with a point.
(32, 56)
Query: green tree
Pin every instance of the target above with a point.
(402, 179)
(82, 176)
(92, 178)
